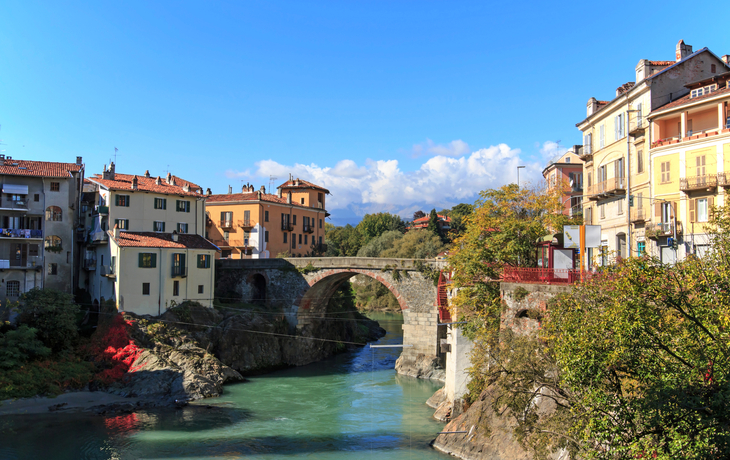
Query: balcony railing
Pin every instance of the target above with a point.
(19, 205)
(179, 272)
(637, 126)
(90, 264)
(541, 275)
(246, 223)
(20, 233)
(638, 215)
(102, 210)
(308, 228)
(663, 229)
(98, 237)
(723, 179)
(287, 226)
(225, 224)
(707, 181)
(617, 184)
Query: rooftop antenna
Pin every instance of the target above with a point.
(115, 155)
(272, 181)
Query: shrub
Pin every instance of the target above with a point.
(19, 346)
(53, 314)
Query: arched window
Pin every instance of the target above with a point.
(53, 243)
(54, 213)
(12, 289)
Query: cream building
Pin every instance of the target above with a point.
(616, 148)
(135, 204)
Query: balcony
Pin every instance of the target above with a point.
(21, 263)
(639, 215)
(723, 179)
(102, 210)
(637, 127)
(666, 141)
(704, 182)
(246, 223)
(287, 226)
(14, 205)
(179, 272)
(663, 229)
(586, 152)
(610, 187)
(542, 275)
(21, 233)
(308, 228)
(90, 264)
(98, 237)
(108, 271)
(225, 224)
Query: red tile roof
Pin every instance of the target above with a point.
(147, 184)
(625, 87)
(161, 240)
(13, 167)
(661, 62)
(250, 196)
(687, 99)
(302, 185)
(440, 217)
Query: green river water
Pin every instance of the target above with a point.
(352, 406)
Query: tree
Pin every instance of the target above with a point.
(433, 223)
(20, 346)
(418, 215)
(343, 241)
(53, 314)
(459, 215)
(382, 243)
(373, 225)
(416, 244)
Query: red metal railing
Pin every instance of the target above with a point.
(442, 299)
(540, 275)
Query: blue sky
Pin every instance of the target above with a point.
(393, 105)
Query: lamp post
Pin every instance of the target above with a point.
(518, 176)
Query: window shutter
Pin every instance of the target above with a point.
(692, 207)
(141, 263)
(675, 208)
(154, 260)
(658, 212)
(710, 204)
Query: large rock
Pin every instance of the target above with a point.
(420, 366)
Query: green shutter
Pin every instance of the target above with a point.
(141, 259)
(154, 260)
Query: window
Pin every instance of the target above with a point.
(603, 210)
(145, 288)
(246, 237)
(620, 206)
(567, 159)
(300, 238)
(159, 226)
(182, 227)
(54, 213)
(618, 122)
(55, 186)
(305, 239)
(702, 91)
(36, 197)
(702, 209)
(32, 250)
(53, 242)
(226, 253)
(294, 219)
(203, 261)
(713, 68)
(200, 288)
(293, 240)
(266, 236)
(665, 172)
(640, 201)
(602, 136)
(285, 237)
(122, 200)
(700, 163)
(639, 114)
(588, 144)
(178, 264)
(320, 240)
(53, 269)
(160, 203)
(320, 223)
(147, 260)
(640, 161)
(175, 288)
(604, 253)
(667, 214)
(302, 201)
(266, 216)
(123, 224)
(226, 218)
(183, 206)
(641, 248)
(12, 289)
(226, 235)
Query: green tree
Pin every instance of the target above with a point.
(20, 346)
(416, 244)
(343, 241)
(373, 225)
(459, 215)
(418, 214)
(53, 314)
(433, 223)
(377, 245)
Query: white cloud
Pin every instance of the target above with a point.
(551, 151)
(452, 149)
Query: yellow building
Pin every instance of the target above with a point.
(616, 145)
(138, 205)
(690, 163)
(258, 225)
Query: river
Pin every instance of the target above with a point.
(352, 406)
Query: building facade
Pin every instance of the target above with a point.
(257, 225)
(618, 191)
(567, 172)
(690, 164)
(136, 204)
(38, 213)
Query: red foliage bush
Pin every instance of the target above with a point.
(115, 350)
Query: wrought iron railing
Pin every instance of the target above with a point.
(541, 275)
(698, 182)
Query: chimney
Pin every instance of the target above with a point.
(168, 178)
(683, 50)
(172, 181)
(230, 189)
(134, 182)
(208, 192)
(78, 161)
(278, 191)
(158, 181)
(116, 231)
(109, 172)
(174, 236)
(186, 188)
(296, 182)
(726, 59)
(288, 197)
(244, 189)
(591, 107)
(263, 189)
(259, 195)
(147, 173)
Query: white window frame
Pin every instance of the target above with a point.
(704, 215)
(159, 226)
(602, 136)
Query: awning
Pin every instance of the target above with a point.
(15, 189)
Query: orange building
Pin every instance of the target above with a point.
(254, 224)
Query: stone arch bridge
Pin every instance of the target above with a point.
(301, 289)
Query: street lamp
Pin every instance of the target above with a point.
(518, 176)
